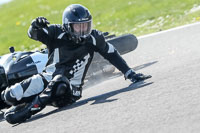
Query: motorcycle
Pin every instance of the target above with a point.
(17, 66)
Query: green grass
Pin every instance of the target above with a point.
(116, 16)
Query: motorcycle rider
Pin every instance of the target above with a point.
(71, 47)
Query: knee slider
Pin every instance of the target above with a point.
(61, 89)
(8, 97)
(59, 85)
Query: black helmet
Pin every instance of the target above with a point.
(77, 21)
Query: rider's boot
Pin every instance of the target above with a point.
(22, 112)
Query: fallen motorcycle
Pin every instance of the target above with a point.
(17, 66)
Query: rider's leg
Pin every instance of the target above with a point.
(21, 93)
(24, 91)
(61, 92)
(58, 93)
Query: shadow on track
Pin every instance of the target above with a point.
(104, 97)
(100, 99)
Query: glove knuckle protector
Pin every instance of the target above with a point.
(40, 22)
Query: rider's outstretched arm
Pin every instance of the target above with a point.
(41, 31)
(108, 51)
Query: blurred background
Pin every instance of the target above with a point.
(118, 17)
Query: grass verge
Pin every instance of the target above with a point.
(138, 17)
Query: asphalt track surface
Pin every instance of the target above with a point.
(168, 102)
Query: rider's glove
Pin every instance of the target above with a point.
(136, 77)
(40, 22)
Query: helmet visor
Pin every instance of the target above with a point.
(81, 29)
